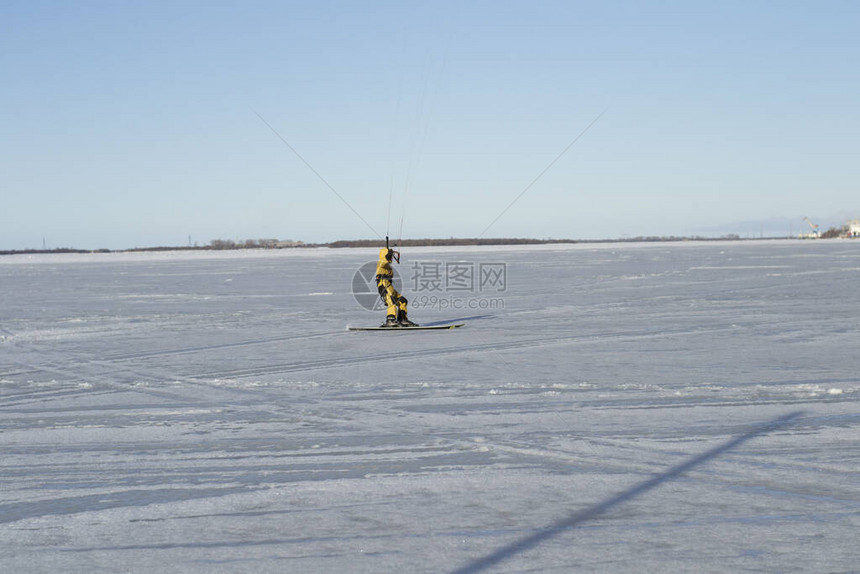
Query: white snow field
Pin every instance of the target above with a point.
(209, 412)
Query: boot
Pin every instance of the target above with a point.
(404, 321)
(390, 321)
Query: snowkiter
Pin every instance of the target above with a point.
(395, 302)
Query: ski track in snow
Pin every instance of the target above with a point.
(211, 412)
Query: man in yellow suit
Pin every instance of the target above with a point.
(395, 302)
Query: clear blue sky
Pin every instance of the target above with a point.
(134, 123)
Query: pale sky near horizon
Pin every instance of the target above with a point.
(135, 124)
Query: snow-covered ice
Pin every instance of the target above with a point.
(208, 412)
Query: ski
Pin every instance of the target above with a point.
(401, 329)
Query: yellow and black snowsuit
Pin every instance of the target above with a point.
(395, 302)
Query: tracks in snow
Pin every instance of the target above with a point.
(313, 365)
(73, 363)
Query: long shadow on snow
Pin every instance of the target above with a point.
(458, 320)
(578, 518)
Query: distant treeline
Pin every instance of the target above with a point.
(214, 245)
(445, 242)
(229, 244)
(512, 241)
(836, 232)
(58, 250)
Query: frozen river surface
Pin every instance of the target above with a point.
(208, 412)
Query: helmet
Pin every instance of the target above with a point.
(389, 254)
